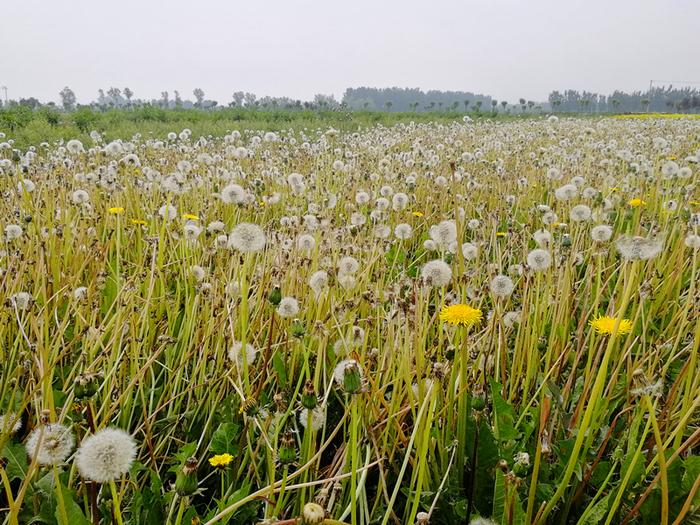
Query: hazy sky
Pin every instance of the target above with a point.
(506, 48)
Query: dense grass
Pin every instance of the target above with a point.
(29, 127)
(125, 302)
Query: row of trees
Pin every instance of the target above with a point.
(659, 99)
(413, 99)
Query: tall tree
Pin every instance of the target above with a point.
(199, 95)
(68, 99)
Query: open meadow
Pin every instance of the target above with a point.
(410, 321)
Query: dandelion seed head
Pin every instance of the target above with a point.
(50, 444)
(436, 273)
(539, 260)
(247, 238)
(106, 455)
(288, 307)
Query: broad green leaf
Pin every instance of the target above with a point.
(278, 365)
(16, 457)
(225, 439)
(598, 512)
(503, 420)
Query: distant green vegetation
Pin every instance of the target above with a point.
(32, 127)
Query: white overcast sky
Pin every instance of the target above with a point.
(506, 48)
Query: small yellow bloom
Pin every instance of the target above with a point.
(417, 214)
(138, 222)
(190, 217)
(694, 203)
(220, 460)
(605, 325)
(501, 234)
(614, 189)
(635, 203)
(460, 314)
(263, 203)
(117, 210)
(671, 157)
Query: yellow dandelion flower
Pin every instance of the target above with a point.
(605, 325)
(190, 217)
(615, 189)
(501, 234)
(694, 203)
(117, 210)
(636, 202)
(138, 222)
(220, 460)
(460, 314)
(417, 213)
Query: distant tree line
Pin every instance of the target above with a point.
(657, 99)
(395, 99)
(413, 99)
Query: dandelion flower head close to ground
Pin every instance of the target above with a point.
(461, 314)
(605, 325)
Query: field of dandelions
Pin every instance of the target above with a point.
(476, 322)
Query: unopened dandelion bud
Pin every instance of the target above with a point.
(287, 450)
(308, 396)
(298, 330)
(186, 480)
(478, 398)
(352, 381)
(86, 386)
(45, 417)
(312, 514)
(503, 465)
(275, 296)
